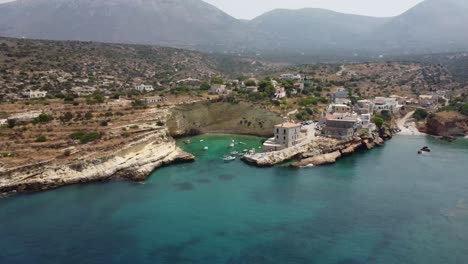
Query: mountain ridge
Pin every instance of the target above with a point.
(431, 26)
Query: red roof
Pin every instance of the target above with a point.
(380, 102)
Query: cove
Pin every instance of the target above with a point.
(388, 205)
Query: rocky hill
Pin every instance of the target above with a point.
(59, 65)
(446, 124)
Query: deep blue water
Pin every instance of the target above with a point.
(388, 205)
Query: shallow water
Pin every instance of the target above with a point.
(388, 205)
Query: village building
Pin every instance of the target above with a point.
(339, 109)
(35, 94)
(280, 93)
(189, 81)
(154, 100)
(385, 103)
(83, 91)
(286, 135)
(364, 107)
(251, 89)
(144, 88)
(428, 100)
(341, 96)
(290, 77)
(340, 126)
(218, 89)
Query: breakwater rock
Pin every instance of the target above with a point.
(320, 151)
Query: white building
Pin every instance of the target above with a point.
(144, 88)
(218, 89)
(289, 76)
(154, 100)
(385, 103)
(280, 93)
(35, 94)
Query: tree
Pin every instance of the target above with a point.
(250, 83)
(11, 123)
(205, 86)
(420, 114)
(378, 121)
(217, 80)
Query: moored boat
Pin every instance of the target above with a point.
(229, 158)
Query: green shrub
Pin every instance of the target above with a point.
(464, 109)
(378, 121)
(41, 139)
(77, 135)
(90, 137)
(420, 114)
(43, 118)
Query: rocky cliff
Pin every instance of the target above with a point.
(446, 124)
(221, 117)
(134, 162)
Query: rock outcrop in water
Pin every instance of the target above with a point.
(320, 151)
(446, 124)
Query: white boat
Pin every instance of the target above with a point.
(235, 153)
(205, 148)
(231, 145)
(229, 158)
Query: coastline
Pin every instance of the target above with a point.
(135, 162)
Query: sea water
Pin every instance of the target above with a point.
(389, 205)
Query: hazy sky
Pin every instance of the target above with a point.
(248, 9)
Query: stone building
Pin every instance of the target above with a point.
(286, 135)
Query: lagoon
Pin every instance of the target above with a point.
(388, 205)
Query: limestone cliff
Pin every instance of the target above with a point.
(446, 124)
(134, 162)
(221, 117)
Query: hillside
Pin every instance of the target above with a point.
(58, 65)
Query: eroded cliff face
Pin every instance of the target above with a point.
(446, 124)
(133, 162)
(207, 117)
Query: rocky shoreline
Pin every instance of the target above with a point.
(135, 162)
(320, 151)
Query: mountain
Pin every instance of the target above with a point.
(431, 26)
(180, 23)
(313, 29)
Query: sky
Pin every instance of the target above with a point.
(248, 9)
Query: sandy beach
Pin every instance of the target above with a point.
(408, 128)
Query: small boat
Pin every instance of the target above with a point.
(235, 153)
(205, 148)
(426, 149)
(231, 145)
(201, 140)
(229, 158)
(245, 150)
(187, 141)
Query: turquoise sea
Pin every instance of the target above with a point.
(388, 206)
